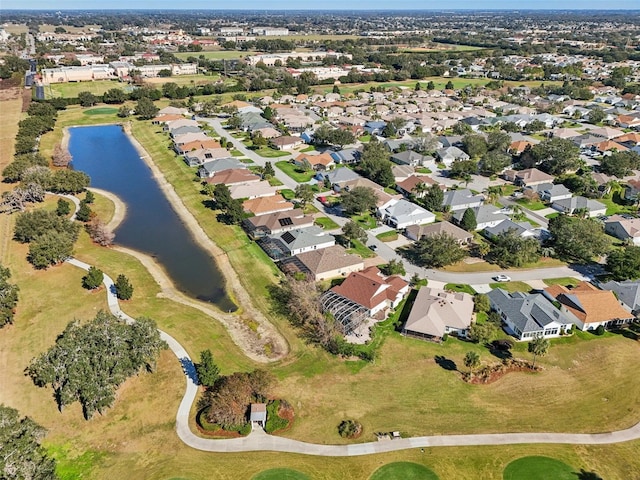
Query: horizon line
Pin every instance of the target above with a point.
(528, 9)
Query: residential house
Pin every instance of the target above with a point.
(317, 162)
(296, 241)
(277, 222)
(528, 177)
(623, 228)
(593, 208)
(258, 414)
(338, 176)
(330, 262)
(416, 232)
(374, 128)
(486, 216)
(402, 172)
(549, 192)
(448, 155)
(234, 176)
(607, 132)
(197, 145)
(590, 306)
(415, 185)
(436, 313)
(627, 293)
(527, 315)
(266, 205)
(346, 156)
(172, 125)
(193, 158)
(632, 190)
(181, 140)
(176, 132)
(401, 213)
(372, 290)
(409, 157)
(252, 190)
(461, 199)
(286, 142)
(211, 167)
(521, 229)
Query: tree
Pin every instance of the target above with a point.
(93, 279)
(578, 239)
(472, 360)
(482, 332)
(146, 109)
(87, 99)
(13, 172)
(358, 200)
(620, 164)
(64, 207)
(89, 360)
(69, 181)
(114, 95)
(21, 455)
(84, 212)
(89, 197)
(431, 85)
(481, 303)
(8, 297)
(494, 162)
(375, 164)
(304, 193)
(124, 111)
(539, 346)
(435, 251)
(336, 89)
(234, 122)
(349, 428)
(433, 198)
(475, 145)
(449, 85)
(463, 168)
(353, 231)
(468, 221)
(208, 372)
(596, 115)
(498, 140)
(624, 264)
(341, 137)
(557, 155)
(61, 156)
(124, 289)
(508, 249)
(394, 267)
(99, 232)
(50, 248)
(30, 225)
(268, 170)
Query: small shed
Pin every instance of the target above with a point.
(258, 413)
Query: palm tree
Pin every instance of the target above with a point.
(539, 346)
(471, 360)
(547, 251)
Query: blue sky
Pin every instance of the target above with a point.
(326, 4)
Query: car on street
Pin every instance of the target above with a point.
(373, 247)
(502, 278)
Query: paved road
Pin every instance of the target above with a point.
(258, 440)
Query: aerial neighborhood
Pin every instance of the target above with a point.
(382, 233)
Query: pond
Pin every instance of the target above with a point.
(151, 225)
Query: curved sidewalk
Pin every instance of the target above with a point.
(258, 440)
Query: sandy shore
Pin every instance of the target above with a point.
(255, 342)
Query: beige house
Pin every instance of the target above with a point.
(329, 262)
(436, 313)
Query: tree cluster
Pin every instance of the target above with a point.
(8, 297)
(50, 237)
(556, 155)
(375, 164)
(358, 200)
(326, 135)
(89, 361)
(231, 209)
(620, 164)
(436, 251)
(579, 239)
(21, 455)
(228, 400)
(624, 264)
(508, 249)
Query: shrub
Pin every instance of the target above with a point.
(349, 429)
(599, 330)
(124, 289)
(274, 421)
(93, 278)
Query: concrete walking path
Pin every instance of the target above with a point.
(258, 440)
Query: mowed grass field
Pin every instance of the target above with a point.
(216, 54)
(587, 385)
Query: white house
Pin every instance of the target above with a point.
(402, 213)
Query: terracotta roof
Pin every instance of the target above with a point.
(589, 303)
(198, 145)
(611, 145)
(237, 103)
(285, 140)
(329, 259)
(321, 159)
(629, 137)
(167, 118)
(234, 176)
(370, 287)
(519, 146)
(410, 183)
(263, 205)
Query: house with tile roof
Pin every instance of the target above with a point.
(317, 162)
(212, 167)
(294, 242)
(327, 263)
(461, 236)
(252, 190)
(196, 145)
(528, 177)
(550, 192)
(436, 313)
(486, 216)
(195, 158)
(627, 293)
(411, 185)
(461, 199)
(623, 228)
(276, 223)
(527, 315)
(590, 306)
(234, 176)
(265, 205)
(569, 206)
(372, 290)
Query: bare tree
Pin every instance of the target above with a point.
(99, 232)
(17, 199)
(61, 156)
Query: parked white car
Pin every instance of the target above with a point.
(502, 278)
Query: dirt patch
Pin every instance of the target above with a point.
(493, 373)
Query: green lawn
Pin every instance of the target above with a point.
(388, 236)
(361, 249)
(280, 474)
(268, 152)
(539, 468)
(617, 204)
(310, 148)
(326, 223)
(288, 194)
(511, 286)
(460, 287)
(531, 204)
(566, 281)
(215, 55)
(403, 471)
(71, 89)
(295, 172)
(101, 111)
(366, 221)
